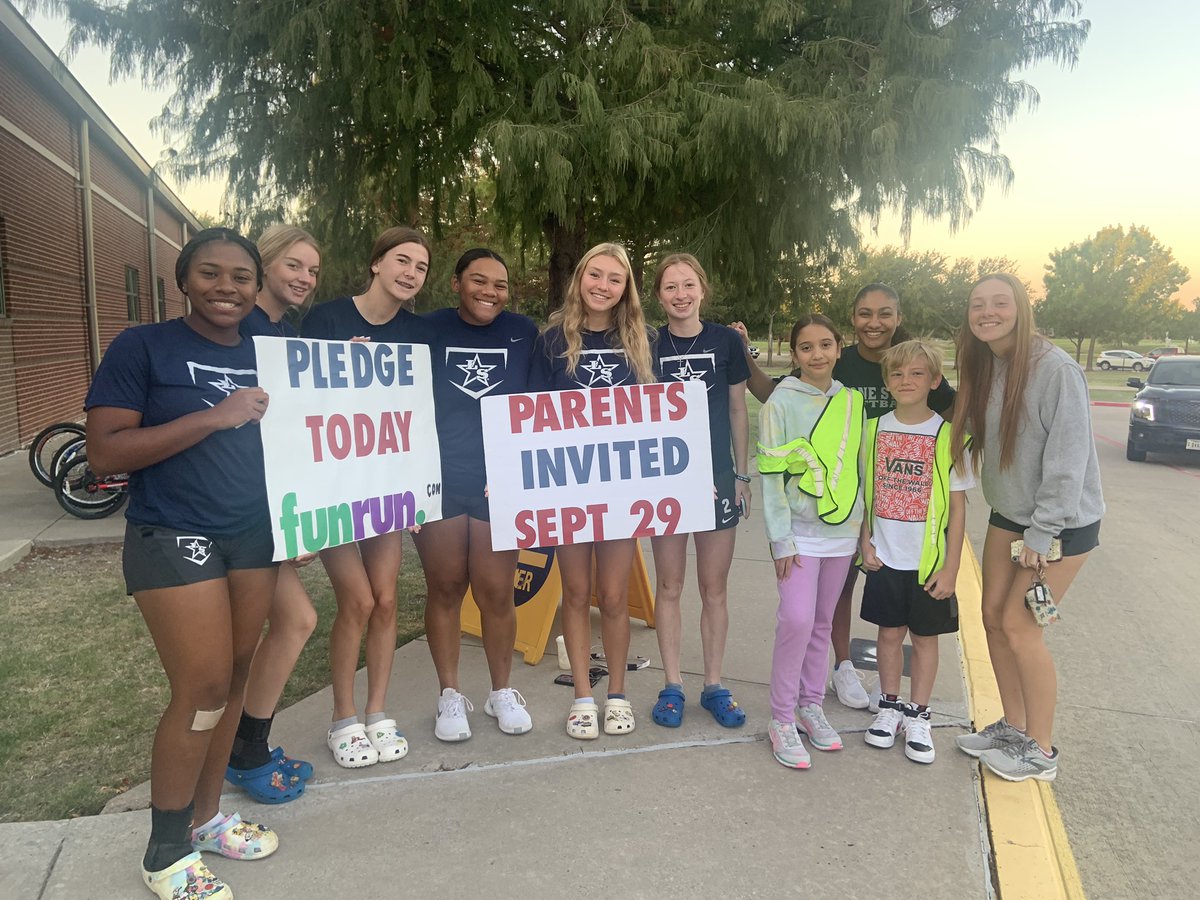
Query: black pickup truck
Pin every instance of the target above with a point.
(1165, 415)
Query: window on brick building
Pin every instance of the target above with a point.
(160, 286)
(133, 299)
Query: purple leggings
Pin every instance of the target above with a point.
(800, 662)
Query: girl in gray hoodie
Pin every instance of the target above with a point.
(1026, 404)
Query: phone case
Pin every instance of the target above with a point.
(1054, 555)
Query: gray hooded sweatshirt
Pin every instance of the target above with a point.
(1053, 481)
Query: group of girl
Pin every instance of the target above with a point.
(169, 403)
(1025, 404)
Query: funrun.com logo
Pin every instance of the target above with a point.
(310, 530)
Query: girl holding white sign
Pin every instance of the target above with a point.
(690, 349)
(363, 574)
(810, 435)
(481, 349)
(597, 338)
(291, 263)
(168, 405)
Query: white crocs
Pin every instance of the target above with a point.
(387, 740)
(351, 748)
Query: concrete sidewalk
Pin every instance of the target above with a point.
(30, 516)
(698, 811)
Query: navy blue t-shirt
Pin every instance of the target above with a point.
(340, 320)
(716, 357)
(600, 365)
(165, 371)
(258, 323)
(469, 363)
(867, 376)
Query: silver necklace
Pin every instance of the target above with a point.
(691, 346)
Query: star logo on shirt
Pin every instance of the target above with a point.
(599, 371)
(223, 381)
(483, 369)
(476, 372)
(226, 385)
(687, 373)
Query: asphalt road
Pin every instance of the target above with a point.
(1129, 679)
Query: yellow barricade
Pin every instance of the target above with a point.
(537, 592)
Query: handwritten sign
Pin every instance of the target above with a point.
(349, 441)
(571, 467)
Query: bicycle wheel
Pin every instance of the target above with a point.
(65, 454)
(86, 495)
(48, 442)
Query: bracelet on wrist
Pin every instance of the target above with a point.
(740, 477)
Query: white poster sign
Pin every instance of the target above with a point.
(349, 440)
(570, 467)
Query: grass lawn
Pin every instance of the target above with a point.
(83, 688)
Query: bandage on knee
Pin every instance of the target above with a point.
(207, 719)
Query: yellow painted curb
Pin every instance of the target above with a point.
(1033, 858)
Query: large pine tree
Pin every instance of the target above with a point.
(754, 134)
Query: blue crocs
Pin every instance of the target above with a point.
(723, 707)
(298, 767)
(668, 711)
(267, 784)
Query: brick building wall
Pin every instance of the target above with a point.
(46, 358)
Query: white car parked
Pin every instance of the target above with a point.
(1124, 359)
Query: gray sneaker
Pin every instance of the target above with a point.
(1020, 762)
(996, 736)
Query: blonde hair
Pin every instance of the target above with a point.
(628, 324)
(907, 352)
(279, 238)
(685, 259)
(975, 373)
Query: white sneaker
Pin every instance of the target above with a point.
(874, 695)
(452, 722)
(918, 736)
(882, 733)
(848, 686)
(811, 720)
(787, 746)
(507, 707)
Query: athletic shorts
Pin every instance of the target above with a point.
(1075, 541)
(726, 501)
(157, 557)
(896, 598)
(461, 504)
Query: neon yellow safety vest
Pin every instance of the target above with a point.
(826, 461)
(937, 514)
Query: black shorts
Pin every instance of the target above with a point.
(474, 505)
(895, 598)
(727, 511)
(1075, 541)
(157, 557)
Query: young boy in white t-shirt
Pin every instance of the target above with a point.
(911, 542)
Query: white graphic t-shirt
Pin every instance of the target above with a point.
(904, 460)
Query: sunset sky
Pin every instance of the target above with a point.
(1116, 140)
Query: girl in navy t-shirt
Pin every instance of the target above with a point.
(364, 574)
(689, 349)
(291, 264)
(176, 404)
(480, 350)
(598, 338)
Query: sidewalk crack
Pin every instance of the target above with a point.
(50, 868)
